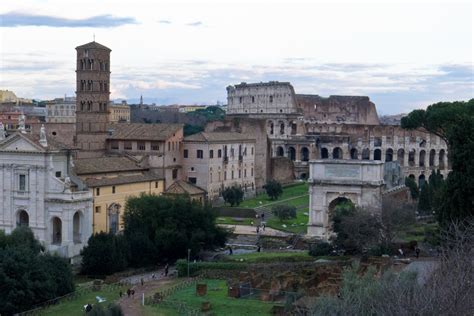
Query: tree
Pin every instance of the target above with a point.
(105, 254)
(233, 195)
(28, 276)
(411, 184)
(284, 212)
(161, 229)
(396, 215)
(424, 201)
(453, 122)
(274, 189)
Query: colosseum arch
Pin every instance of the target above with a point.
(441, 163)
(292, 153)
(366, 154)
(401, 156)
(324, 153)
(422, 157)
(432, 157)
(359, 181)
(389, 155)
(378, 154)
(354, 153)
(304, 154)
(280, 151)
(337, 153)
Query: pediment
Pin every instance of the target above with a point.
(19, 143)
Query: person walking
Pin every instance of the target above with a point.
(417, 252)
(141, 281)
(166, 270)
(129, 292)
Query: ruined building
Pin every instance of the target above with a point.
(301, 127)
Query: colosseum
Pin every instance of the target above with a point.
(302, 127)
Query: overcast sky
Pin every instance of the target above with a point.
(403, 55)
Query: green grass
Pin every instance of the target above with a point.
(234, 220)
(217, 296)
(260, 257)
(416, 232)
(75, 306)
(296, 225)
(288, 192)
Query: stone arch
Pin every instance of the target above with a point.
(354, 153)
(441, 164)
(281, 124)
(411, 157)
(421, 180)
(77, 226)
(432, 157)
(113, 214)
(292, 153)
(304, 154)
(337, 153)
(389, 155)
(280, 151)
(57, 226)
(22, 218)
(401, 156)
(271, 127)
(293, 127)
(377, 154)
(422, 157)
(366, 154)
(303, 176)
(324, 153)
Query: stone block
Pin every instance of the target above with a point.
(201, 289)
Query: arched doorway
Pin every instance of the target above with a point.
(389, 155)
(339, 207)
(22, 219)
(422, 158)
(280, 151)
(57, 230)
(304, 154)
(324, 153)
(377, 154)
(113, 216)
(77, 227)
(337, 153)
(354, 153)
(401, 156)
(411, 157)
(366, 154)
(292, 153)
(432, 157)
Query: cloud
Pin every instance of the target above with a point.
(15, 19)
(164, 22)
(197, 23)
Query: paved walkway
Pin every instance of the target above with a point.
(251, 230)
(423, 269)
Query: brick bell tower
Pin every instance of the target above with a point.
(92, 99)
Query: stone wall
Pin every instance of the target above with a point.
(282, 170)
(61, 132)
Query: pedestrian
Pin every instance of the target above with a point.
(262, 216)
(401, 252)
(153, 276)
(133, 293)
(263, 226)
(230, 251)
(258, 229)
(256, 217)
(417, 252)
(167, 267)
(129, 292)
(258, 249)
(120, 293)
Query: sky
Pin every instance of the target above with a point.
(403, 55)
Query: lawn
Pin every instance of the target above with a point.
(75, 306)
(260, 257)
(217, 296)
(417, 231)
(288, 192)
(235, 220)
(296, 225)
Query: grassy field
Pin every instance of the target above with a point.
(288, 192)
(417, 231)
(259, 257)
(75, 306)
(217, 296)
(235, 220)
(296, 225)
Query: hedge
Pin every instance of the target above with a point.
(195, 267)
(235, 212)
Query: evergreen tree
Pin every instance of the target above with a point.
(424, 201)
(274, 189)
(411, 184)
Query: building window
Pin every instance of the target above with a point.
(155, 146)
(97, 209)
(251, 151)
(245, 173)
(192, 180)
(271, 99)
(141, 145)
(58, 174)
(232, 174)
(113, 189)
(127, 146)
(114, 145)
(175, 173)
(199, 154)
(169, 146)
(185, 153)
(97, 191)
(211, 153)
(253, 99)
(156, 184)
(219, 153)
(225, 175)
(240, 173)
(22, 182)
(251, 172)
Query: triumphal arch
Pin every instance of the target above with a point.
(330, 181)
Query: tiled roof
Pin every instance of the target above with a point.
(105, 165)
(183, 187)
(93, 182)
(140, 131)
(218, 137)
(52, 144)
(95, 45)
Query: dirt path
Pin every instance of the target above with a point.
(133, 305)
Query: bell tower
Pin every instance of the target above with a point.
(92, 99)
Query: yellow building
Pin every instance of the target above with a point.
(119, 113)
(112, 180)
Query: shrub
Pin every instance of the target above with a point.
(320, 249)
(195, 267)
(284, 212)
(233, 195)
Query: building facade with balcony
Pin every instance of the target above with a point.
(36, 190)
(217, 160)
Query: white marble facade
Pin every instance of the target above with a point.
(35, 190)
